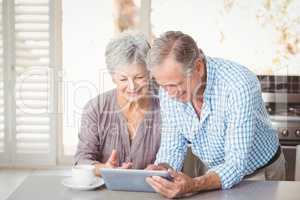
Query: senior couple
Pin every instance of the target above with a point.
(170, 96)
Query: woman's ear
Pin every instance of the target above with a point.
(113, 78)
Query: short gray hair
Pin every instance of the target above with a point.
(127, 48)
(177, 44)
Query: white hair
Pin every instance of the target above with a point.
(181, 46)
(127, 48)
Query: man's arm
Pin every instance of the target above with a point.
(183, 185)
(209, 181)
(239, 134)
(173, 145)
(239, 138)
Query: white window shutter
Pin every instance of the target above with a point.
(2, 131)
(34, 140)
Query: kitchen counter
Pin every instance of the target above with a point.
(49, 187)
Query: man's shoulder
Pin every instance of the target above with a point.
(231, 73)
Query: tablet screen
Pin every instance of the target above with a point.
(130, 179)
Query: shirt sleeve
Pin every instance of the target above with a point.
(173, 145)
(88, 144)
(239, 134)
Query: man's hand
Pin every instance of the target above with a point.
(181, 185)
(159, 167)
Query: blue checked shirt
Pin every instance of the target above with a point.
(233, 135)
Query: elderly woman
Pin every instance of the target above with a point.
(121, 128)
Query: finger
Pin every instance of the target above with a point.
(113, 159)
(177, 176)
(173, 173)
(130, 165)
(126, 165)
(188, 194)
(151, 167)
(167, 184)
(158, 187)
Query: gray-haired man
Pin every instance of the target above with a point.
(216, 106)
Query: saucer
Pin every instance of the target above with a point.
(68, 182)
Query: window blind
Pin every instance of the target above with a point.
(2, 135)
(33, 134)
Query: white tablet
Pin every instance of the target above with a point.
(130, 179)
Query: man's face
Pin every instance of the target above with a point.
(171, 77)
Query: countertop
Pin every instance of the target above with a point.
(49, 187)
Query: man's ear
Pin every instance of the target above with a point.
(199, 65)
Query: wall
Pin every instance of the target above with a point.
(264, 35)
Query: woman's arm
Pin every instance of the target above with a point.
(89, 145)
(88, 148)
(112, 162)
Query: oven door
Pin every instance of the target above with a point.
(291, 154)
(297, 172)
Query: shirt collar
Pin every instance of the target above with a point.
(210, 76)
(208, 92)
(206, 107)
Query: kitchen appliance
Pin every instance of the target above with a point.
(281, 95)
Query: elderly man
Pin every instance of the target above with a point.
(215, 106)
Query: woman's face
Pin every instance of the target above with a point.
(132, 81)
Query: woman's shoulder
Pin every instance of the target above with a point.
(101, 102)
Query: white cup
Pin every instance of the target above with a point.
(83, 175)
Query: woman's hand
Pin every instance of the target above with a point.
(127, 165)
(112, 162)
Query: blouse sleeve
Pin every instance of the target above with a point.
(88, 149)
